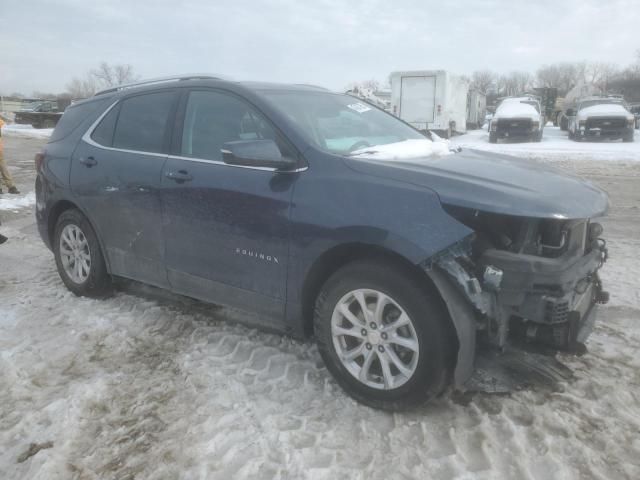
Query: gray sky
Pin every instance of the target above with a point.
(327, 42)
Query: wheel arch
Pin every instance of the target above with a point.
(337, 257)
(58, 209)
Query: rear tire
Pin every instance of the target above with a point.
(415, 371)
(78, 255)
(493, 138)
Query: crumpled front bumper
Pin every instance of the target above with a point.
(548, 300)
(552, 300)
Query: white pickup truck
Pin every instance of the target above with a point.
(601, 117)
(517, 118)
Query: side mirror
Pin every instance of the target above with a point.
(256, 153)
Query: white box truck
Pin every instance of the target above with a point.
(430, 100)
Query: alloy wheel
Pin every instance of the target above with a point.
(375, 339)
(75, 254)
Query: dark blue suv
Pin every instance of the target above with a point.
(324, 216)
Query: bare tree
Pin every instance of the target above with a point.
(483, 80)
(599, 73)
(371, 84)
(111, 75)
(563, 76)
(514, 83)
(104, 76)
(82, 87)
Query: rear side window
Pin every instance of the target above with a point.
(103, 134)
(73, 116)
(142, 122)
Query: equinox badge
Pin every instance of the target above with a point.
(257, 255)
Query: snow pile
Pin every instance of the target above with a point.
(405, 150)
(16, 202)
(604, 110)
(18, 130)
(555, 145)
(516, 109)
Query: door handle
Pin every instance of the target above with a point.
(180, 176)
(88, 162)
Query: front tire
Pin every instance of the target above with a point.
(383, 336)
(78, 255)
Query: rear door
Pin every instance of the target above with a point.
(115, 174)
(417, 99)
(226, 227)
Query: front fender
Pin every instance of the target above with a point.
(334, 205)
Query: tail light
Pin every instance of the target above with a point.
(39, 160)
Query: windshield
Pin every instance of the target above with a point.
(30, 106)
(340, 123)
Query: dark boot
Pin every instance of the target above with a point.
(14, 190)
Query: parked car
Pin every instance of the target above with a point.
(571, 100)
(326, 217)
(602, 117)
(42, 114)
(430, 100)
(518, 118)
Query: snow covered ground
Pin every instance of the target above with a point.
(137, 386)
(16, 202)
(554, 146)
(25, 131)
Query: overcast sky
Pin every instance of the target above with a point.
(43, 44)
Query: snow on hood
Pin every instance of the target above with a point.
(516, 109)
(604, 110)
(405, 150)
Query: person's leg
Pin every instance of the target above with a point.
(5, 175)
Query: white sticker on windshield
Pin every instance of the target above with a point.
(359, 107)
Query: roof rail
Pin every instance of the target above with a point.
(150, 81)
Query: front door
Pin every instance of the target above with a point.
(226, 228)
(115, 172)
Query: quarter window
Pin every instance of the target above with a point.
(214, 118)
(142, 122)
(103, 134)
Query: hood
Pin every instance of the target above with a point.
(604, 110)
(516, 110)
(494, 183)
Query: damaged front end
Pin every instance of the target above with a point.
(526, 278)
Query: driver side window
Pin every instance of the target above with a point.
(214, 118)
